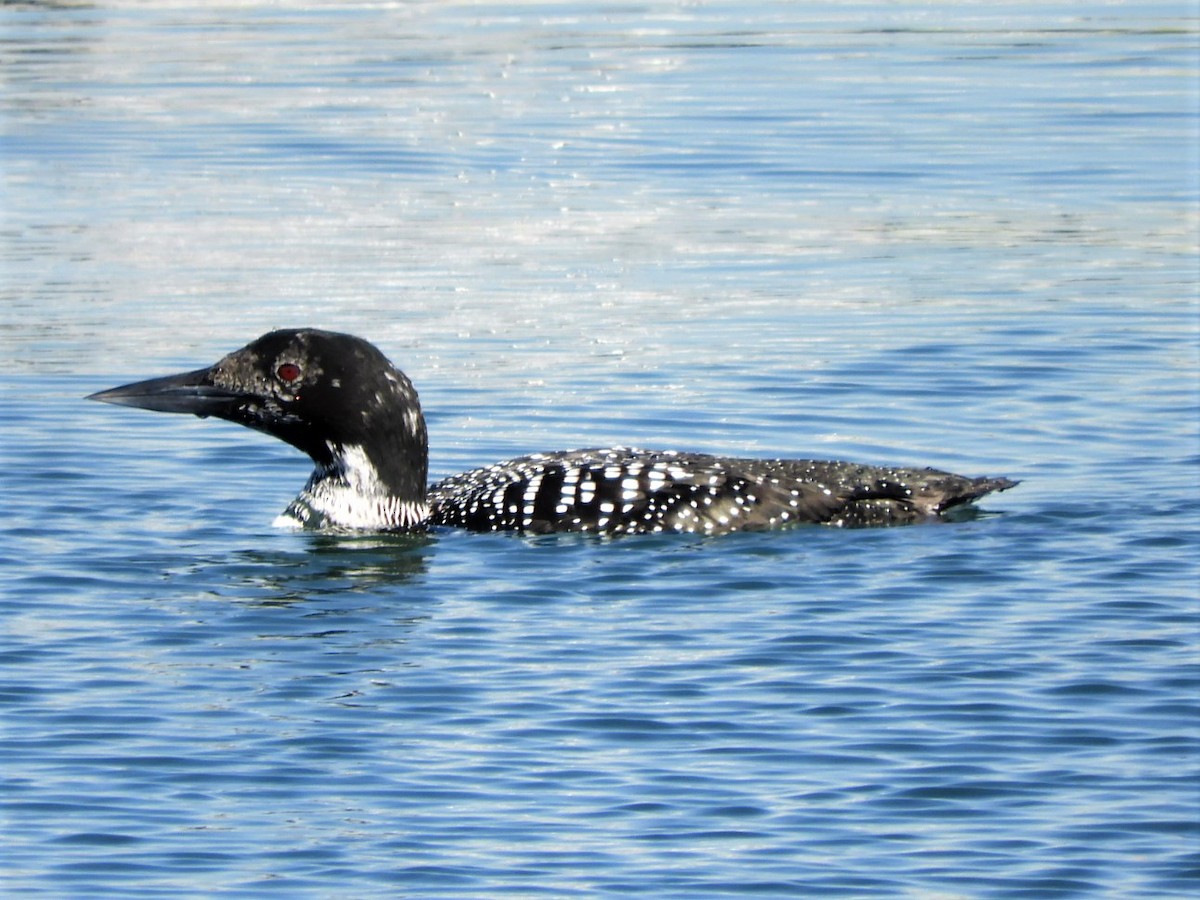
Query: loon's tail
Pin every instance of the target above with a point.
(969, 490)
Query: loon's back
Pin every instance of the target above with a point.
(623, 490)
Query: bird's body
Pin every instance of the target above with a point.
(627, 490)
(337, 398)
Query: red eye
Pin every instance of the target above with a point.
(288, 372)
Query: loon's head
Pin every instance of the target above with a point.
(334, 396)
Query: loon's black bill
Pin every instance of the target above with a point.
(189, 392)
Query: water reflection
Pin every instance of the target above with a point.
(331, 565)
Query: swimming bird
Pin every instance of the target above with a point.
(338, 398)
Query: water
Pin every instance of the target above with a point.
(955, 235)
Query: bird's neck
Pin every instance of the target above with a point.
(378, 486)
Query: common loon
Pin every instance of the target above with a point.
(340, 400)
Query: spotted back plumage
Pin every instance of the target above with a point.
(624, 490)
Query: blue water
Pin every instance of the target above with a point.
(952, 235)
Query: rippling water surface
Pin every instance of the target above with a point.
(947, 234)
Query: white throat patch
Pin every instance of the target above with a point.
(349, 495)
